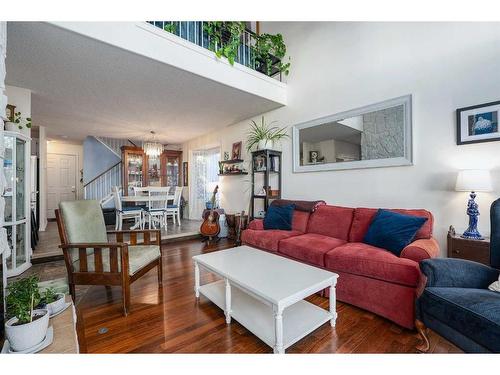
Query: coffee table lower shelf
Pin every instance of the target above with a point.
(299, 319)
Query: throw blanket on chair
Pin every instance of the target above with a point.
(307, 206)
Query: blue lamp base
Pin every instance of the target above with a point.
(473, 211)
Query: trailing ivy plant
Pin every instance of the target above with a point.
(18, 119)
(170, 27)
(224, 38)
(23, 295)
(268, 46)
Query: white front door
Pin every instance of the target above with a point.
(61, 181)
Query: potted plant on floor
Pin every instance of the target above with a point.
(264, 135)
(52, 301)
(27, 326)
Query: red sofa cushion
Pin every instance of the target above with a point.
(300, 220)
(310, 247)
(370, 261)
(266, 239)
(363, 217)
(332, 221)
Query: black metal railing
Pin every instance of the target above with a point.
(194, 32)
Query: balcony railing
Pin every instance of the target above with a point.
(194, 32)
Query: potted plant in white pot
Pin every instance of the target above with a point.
(264, 135)
(20, 124)
(27, 326)
(52, 301)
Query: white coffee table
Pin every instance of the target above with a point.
(265, 293)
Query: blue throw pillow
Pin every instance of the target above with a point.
(393, 231)
(279, 217)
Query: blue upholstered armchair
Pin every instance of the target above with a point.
(456, 301)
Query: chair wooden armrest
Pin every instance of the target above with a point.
(114, 248)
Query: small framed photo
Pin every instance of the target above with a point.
(313, 157)
(478, 123)
(236, 154)
(185, 173)
(10, 110)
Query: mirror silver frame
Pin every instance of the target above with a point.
(407, 159)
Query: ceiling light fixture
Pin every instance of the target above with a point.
(152, 148)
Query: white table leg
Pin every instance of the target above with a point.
(333, 304)
(196, 279)
(228, 302)
(278, 328)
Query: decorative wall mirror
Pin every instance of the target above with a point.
(377, 135)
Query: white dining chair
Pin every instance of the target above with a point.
(156, 209)
(128, 212)
(174, 209)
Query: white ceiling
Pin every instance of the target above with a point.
(82, 87)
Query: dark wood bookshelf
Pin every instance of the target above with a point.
(232, 161)
(270, 163)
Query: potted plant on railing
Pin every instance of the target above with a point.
(224, 38)
(27, 326)
(20, 124)
(52, 301)
(264, 135)
(269, 51)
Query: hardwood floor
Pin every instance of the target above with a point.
(48, 244)
(172, 321)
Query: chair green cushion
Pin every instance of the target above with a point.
(139, 256)
(84, 222)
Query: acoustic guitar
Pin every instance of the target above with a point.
(210, 226)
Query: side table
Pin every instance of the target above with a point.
(463, 248)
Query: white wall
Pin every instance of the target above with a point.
(342, 66)
(21, 98)
(42, 139)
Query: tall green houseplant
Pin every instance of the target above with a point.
(263, 133)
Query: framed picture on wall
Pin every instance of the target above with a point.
(478, 123)
(236, 154)
(10, 110)
(185, 173)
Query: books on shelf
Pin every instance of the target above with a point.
(275, 163)
(260, 164)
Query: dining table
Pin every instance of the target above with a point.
(145, 199)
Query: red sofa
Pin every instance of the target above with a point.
(369, 277)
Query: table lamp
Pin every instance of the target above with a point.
(473, 180)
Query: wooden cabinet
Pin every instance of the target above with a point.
(133, 169)
(171, 168)
(475, 250)
(140, 170)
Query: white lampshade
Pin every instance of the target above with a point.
(474, 180)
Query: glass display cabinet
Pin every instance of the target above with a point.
(134, 173)
(17, 202)
(172, 162)
(154, 171)
(141, 170)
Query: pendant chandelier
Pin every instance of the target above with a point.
(152, 148)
